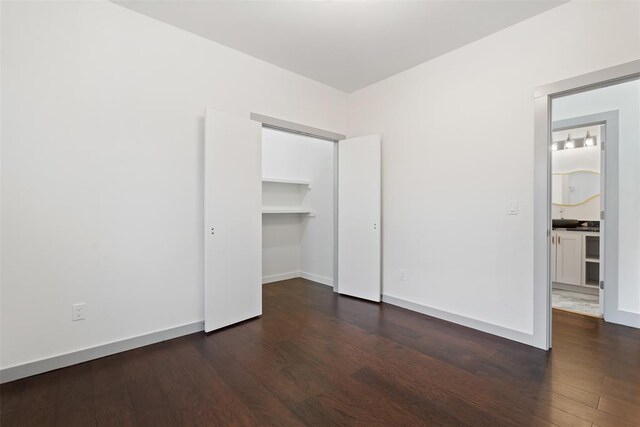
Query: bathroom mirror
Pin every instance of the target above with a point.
(575, 188)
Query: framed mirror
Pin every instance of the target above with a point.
(575, 188)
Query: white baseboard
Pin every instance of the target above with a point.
(44, 365)
(489, 328)
(295, 274)
(279, 277)
(317, 278)
(625, 318)
(49, 364)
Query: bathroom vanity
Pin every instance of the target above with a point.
(575, 259)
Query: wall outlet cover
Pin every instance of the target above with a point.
(78, 311)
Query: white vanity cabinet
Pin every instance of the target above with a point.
(575, 259)
(569, 257)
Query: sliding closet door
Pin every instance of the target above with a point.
(232, 220)
(359, 205)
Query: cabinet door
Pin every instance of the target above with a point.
(568, 258)
(552, 264)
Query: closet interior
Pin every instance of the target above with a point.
(297, 207)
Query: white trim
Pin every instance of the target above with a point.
(611, 75)
(542, 224)
(623, 317)
(317, 278)
(287, 126)
(336, 160)
(281, 276)
(323, 280)
(479, 325)
(79, 356)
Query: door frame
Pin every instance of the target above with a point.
(609, 139)
(543, 97)
(292, 127)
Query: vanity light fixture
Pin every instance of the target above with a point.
(570, 143)
(554, 146)
(589, 141)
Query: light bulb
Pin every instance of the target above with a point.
(589, 141)
(554, 146)
(569, 143)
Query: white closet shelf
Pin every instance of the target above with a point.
(288, 210)
(293, 181)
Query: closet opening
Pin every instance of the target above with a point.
(298, 207)
(281, 201)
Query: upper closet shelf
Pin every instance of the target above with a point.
(288, 210)
(293, 181)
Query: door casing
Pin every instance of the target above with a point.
(543, 96)
(609, 122)
(287, 126)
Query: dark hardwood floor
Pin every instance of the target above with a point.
(315, 358)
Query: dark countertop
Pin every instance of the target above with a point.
(584, 229)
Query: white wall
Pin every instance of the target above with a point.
(298, 243)
(102, 163)
(102, 168)
(458, 143)
(626, 99)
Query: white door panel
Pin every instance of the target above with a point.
(603, 195)
(232, 219)
(359, 210)
(554, 246)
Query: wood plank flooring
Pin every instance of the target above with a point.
(315, 358)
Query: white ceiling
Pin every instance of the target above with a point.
(344, 44)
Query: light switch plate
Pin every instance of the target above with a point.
(512, 207)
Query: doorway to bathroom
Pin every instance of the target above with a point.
(577, 206)
(595, 202)
(587, 198)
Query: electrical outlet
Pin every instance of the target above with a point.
(403, 275)
(78, 311)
